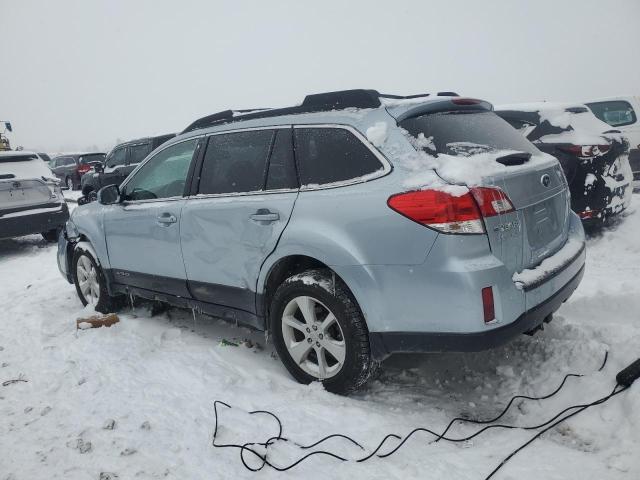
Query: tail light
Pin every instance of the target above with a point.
(83, 168)
(450, 213)
(586, 151)
(466, 101)
(588, 214)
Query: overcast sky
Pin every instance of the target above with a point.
(76, 74)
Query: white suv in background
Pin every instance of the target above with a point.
(622, 114)
(31, 200)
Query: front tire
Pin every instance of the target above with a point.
(320, 333)
(91, 285)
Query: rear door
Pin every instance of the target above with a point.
(246, 192)
(143, 232)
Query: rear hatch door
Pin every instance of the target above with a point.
(23, 182)
(478, 148)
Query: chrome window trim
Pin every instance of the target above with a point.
(143, 163)
(386, 165)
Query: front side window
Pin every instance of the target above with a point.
(137, 153)
(117, 157)
(164, 175)
(236, 162)
(329, 155)
(616, 113)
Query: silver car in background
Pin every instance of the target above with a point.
(351, 227)
(31, 200)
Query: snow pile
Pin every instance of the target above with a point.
(377, 134)
(584, 128)
(471, 168)
(549, 265)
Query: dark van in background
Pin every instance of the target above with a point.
(121, 161)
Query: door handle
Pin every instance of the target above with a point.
(264, 215)
(167, 219)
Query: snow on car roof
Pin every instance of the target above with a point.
(15, 153)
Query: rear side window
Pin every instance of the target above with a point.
(282, 170)
(91, 158)
(616, 113)
(329, 155)
(69, 161)
(236, 162)
(138, 152)
(466, 133)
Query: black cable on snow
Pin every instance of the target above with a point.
(249, 448)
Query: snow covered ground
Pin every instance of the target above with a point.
(136, 400)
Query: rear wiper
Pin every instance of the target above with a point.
(514, 159)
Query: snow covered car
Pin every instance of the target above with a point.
(622, 114)
(351, 227)
(594, 157)
(30, 197)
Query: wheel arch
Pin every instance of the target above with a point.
(356, 279)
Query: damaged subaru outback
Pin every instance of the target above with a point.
(351, 227)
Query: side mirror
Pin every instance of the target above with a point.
(109, 195)
(99, 168)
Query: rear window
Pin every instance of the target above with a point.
(17, 158)
(616, 113)
(330, 155)
(465, 133)
(92, 158)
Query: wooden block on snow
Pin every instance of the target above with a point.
(96, 321)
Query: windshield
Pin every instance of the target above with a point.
(17, 158)
(465, 133)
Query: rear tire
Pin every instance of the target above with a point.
(91, 285)
(69, 183)
(329, 342)
(51, 236)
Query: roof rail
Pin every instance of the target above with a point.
(447, 94)
(358, 98)
(317, 102)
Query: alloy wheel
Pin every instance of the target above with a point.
(313, 337)
(88, 283)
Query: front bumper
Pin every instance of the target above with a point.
(38, 220)
(63, 256)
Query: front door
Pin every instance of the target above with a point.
(143, 232)
(248, 186)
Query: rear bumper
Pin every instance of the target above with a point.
(385, 343)
(38, 221)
